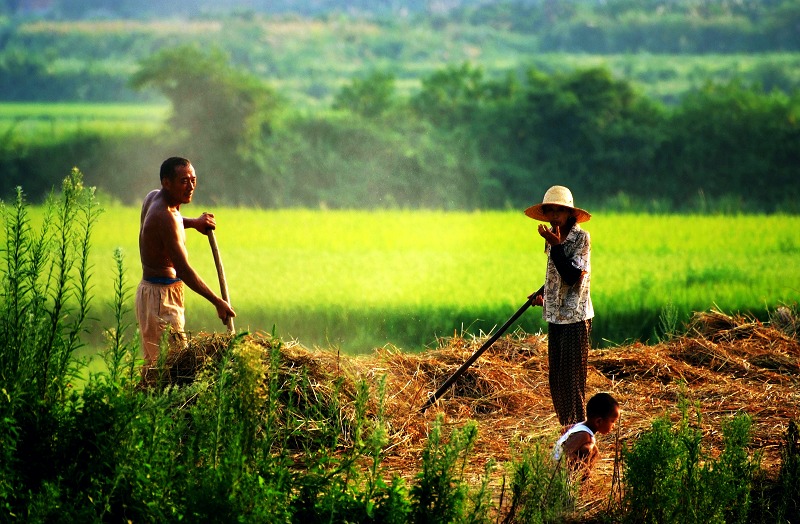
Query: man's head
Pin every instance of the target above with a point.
(178, 180)
(168, 166)
(602, 412)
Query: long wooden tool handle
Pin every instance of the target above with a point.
(223, 284)
(460, 371)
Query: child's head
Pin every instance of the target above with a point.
(602, 412)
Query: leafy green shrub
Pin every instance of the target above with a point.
(121, 350)
(669, 477)
(9, 439)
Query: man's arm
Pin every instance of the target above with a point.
(203, 223)
(176, 250)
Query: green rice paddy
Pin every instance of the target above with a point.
(354, 280)
(32, 121)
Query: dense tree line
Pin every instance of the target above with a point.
(611, 26)
(656, 26)
(59, 60)
(467, 142)
(462, 142)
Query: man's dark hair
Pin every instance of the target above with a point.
(168, 166)
(601, 405)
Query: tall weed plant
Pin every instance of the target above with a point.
(788, 488)
(441, 493)
(541, 491)
(45, 290)
(44, 304)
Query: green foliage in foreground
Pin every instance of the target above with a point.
(253, 438)
(670, 477)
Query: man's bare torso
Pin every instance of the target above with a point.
(159, 223)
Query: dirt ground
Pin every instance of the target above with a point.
(727, 364)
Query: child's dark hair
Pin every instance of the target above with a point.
(601, 405)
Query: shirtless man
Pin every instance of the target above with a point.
(165, 262)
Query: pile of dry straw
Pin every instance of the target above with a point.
(725, 363)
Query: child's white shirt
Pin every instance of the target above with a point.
(559, 447)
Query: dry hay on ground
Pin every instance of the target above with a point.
(726, 364)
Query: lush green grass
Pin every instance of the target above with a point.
(49, 121)
(358, 280)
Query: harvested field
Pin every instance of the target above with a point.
(726, 363)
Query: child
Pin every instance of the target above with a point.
(565, 300)
(577, 445)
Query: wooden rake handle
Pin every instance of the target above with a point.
(223, 284)
(460, 371)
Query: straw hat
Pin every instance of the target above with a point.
(557, 196)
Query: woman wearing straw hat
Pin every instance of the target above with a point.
(564, 297)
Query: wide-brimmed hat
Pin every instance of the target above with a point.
(557, 196)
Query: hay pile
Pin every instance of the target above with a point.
(727, 364)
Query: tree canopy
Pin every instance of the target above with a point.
(215, 107)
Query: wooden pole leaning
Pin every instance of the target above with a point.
(223, 284)
(460, 371)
